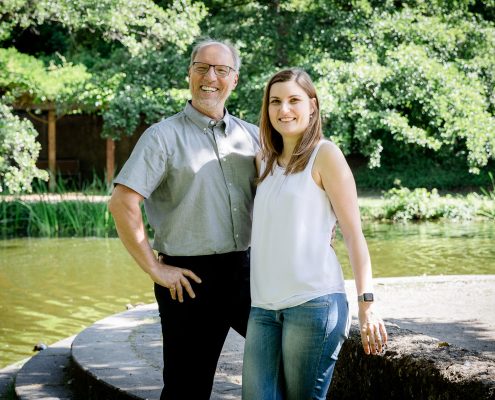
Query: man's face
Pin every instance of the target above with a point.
(210, 92)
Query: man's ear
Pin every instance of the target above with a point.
(236, 81)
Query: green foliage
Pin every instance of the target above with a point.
(131, 78)
(27, 80)
(490, 193)
(141, 93)
(404, 75)
(18, 153)
(395, 78)
(403, 204)
(417, 169)
(410, 92)
(488, 209)
(416, 205)
(48, 218)
(63, 185)
(139, 25)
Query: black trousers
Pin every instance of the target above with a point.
(194, 331)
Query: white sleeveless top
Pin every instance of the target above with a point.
(292, 261)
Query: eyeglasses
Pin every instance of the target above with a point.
(220, 70)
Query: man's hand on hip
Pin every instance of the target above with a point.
(175, 279)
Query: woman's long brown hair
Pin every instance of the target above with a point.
(271, 141)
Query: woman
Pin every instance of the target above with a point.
(299, 315)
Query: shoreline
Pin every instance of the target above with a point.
(421, 308)
(444, 285)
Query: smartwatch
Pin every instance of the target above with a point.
(366, 297)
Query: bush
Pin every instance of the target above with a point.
(18, 153)
(404, 204)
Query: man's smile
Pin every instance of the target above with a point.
(208, 89)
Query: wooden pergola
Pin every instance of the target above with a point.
(51, 121)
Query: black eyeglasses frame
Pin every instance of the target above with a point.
(214, 69)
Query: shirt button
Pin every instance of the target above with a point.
(236, 235)
(235, 209)
(230, 183)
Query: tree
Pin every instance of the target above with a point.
(395, 78)
(111, 53)
(18, 153)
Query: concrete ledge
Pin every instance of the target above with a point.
(47, 374)
(414, 366)
(120, 357)
(7, 378)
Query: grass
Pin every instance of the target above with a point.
(83, 217)
(67, 214)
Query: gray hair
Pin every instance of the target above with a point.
(209, 42)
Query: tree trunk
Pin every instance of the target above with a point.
(110, 160)
(52, 150)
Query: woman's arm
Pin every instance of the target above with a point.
(332, 173)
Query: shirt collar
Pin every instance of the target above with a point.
(204, 122)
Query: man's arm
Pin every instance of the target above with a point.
(125, 208)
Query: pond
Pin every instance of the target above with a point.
(54, 288)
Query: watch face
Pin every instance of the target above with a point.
(367, 296)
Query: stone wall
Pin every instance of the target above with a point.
(414, 366)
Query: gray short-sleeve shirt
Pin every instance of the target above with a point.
(197, 178)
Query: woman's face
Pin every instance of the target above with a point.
(289, 108)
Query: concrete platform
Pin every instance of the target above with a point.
(124, 350)
(122, 354)
(47, 374)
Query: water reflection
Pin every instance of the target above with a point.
(53, 288)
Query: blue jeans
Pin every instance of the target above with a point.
(291, 353)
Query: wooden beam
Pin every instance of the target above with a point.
(26, 104)
(52, 150)
(110, 160)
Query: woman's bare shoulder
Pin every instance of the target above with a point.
(329, 154)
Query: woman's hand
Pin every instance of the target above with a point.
(373, 332)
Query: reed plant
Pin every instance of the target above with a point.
(489, 210)
(96, 186)
(68, 218)
(14, 219)
(85, 215)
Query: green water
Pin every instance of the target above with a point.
(53, 288)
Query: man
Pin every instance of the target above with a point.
(195, 173)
